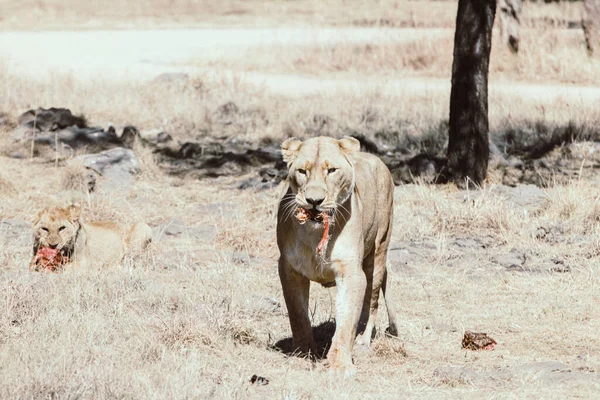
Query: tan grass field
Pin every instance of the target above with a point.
(203, 311)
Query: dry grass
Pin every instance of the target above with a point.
(189, 320)
(165, 13)
(190, 110)
(61, 14)
(198, 315)
(545, 55)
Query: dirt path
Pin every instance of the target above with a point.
(143, 54)
(114, 54)
(298, 85)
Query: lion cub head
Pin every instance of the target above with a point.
(56, 228)
(321, 171)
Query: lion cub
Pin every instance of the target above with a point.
(61, 240)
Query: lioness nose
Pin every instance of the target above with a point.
(314, 202)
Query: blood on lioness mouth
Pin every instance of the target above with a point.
(304, 215)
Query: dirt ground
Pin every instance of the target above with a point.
(202, 311)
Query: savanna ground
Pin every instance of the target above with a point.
(203, 310)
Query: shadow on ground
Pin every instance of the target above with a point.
(534, 152)
(322, 333)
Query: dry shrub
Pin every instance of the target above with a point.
(182, 334)
(78, 178)
(147, 160)
(390, 349)
(576, 205)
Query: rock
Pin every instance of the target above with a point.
(156, 136)
(173, 227)
(555, 373)
(523, 196)
(240, 257)
(272, 174)
(51, 119)
(69, 138)
(403, 257)
(464, 376)
(204, 232)
(547, 373)
(556, 265)
(527, 197)
(256, 184)
(118, 158)
(176, 227)
(15, 232)
(512, 261)
(115, 165)
(224, 209)
(471, 242)
(263, 304)
(551, 233)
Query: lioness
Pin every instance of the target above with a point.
(83, 244)
(331, 181)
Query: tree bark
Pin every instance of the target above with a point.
(468, 150)
(510, 22)
(591, 25)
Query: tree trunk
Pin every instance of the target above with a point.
(468, 150)
(591, 25)
(510, 22)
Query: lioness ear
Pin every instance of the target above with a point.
(74, 212)
(289, 149)
(349, 144)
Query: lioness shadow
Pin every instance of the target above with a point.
(322, 333)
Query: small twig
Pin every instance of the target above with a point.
(56, 149)
(33, 135)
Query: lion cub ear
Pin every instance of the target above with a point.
(74, 211)
(289, 149)
(349, 144)
(38, 217)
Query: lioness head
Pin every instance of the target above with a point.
(321, 171)
(56, 227)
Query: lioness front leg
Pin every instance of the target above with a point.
(351, 283)
(296, 289)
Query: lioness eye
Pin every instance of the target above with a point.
(45, 229)
(331, 170)
(61, 228)
(302, 171)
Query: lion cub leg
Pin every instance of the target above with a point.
(138, 237)
(296, 290)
